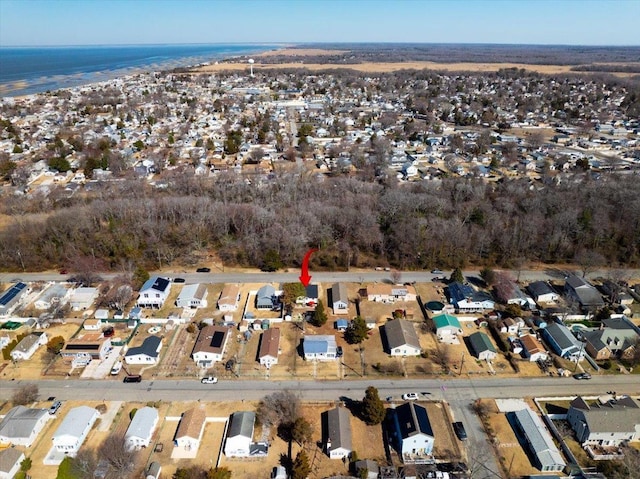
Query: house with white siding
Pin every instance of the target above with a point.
(28, 346)
(21, 425)
(140, 431)
(74, 429)
(193, 296)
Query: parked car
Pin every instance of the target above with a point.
(209, 380)
(582, 376)
(116, 368)
(410, 396)
(108, 332)
(230, 364)
(178, 280)
(437, 271)
(339, 352)
(458, 428)
(132, 378)
(203, 270)
(54, 407)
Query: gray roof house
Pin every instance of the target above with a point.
(55, 294)
(74, 429)
(616, 337)
(538, 441)
(265, 297)
(542, 292)
(322, 347)
(10, 461)
(147, 353)
(583, 292)
(563, 342)
(193, 296)
(607, 422)
(154, 292)
(337, 437)
(141, 429)
(402, 339)
(240, 434)
(28, 346)
(21, 425)
(481, 346)
(411, 432)
(339, 298)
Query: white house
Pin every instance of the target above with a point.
(193, 296)
(21, 425)
(92, 324)
(28, 346)
(229, 298)
(606, 422)
(190, 430)
(338, 442)
(240, 434)
(321, 347)
(83, 298)
(467, 300)
(210, 345)
(340, 298)
(411, 432)
(402, 339)
(55, 294)
(147, 353)
(390, 293)
(154, 292)
(533, 349)
(10, 461)
(269, 347)
(542, 292)
(141, 429)
(74, 429)
(481, 346)
(447, 327)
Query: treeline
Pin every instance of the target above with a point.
(607, 67)
(354, 223)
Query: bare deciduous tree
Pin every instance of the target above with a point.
(279, 407)
(25, 395)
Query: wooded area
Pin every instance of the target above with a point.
(354, 223)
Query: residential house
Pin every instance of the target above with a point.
(210, 345)
(538, 441)
(240, 434)
(321, 347)
(402, 339)
(10, 462)
(583, 292)
(616, 337)
(533, 349)
(140, 431)
(269, 347)
(563, 342)
(390, 293)
(12, 297)
(606, 422)
(74, 429)
(54, 295)
(147, 353)
(510, 326)
(83, 298)
(190, 430)
(510, 293)
(153, 471)
(481, 346)
(310, 297)
(21, 425)
(193, 296)
(542, 292)
(447, 327)
(465, 299)
(229, 298)
(340, 298)
(410, 432)
(337, 436)
(154, 292)
(266, 297)
(82, 349)
(92, 324)
(27, 347)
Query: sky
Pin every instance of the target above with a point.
(112, 22)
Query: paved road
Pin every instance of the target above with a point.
(323, 277)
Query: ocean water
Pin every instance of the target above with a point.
(29, 70)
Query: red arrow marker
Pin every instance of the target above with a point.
(304, 277)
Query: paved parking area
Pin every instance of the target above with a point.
(100, 369)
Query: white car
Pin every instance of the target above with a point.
(410, 396)
(116, 368)
(209, 380)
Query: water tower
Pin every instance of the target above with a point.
(251, 65)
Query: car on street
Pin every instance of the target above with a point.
(54, 407)
(437, 271)
(209, 380)
(582, 376)
(132, 378)
(410, 396)
(64, 271)
(178, 280)
(203, 270)
(458, 428)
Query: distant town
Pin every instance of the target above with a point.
(126, 206)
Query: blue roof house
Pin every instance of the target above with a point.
(321, 347)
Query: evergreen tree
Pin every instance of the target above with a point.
(457, 276)
(320, 316)
(301, 468)
(357, 331)
(373, 410)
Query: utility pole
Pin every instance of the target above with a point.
(461, 365)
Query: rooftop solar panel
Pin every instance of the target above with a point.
(217, 339)
(11, 293)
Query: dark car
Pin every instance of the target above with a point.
(203, 270)
(178, 280)
(132, 378)
(230, 364)
(339, 352)
(582, 376)
(458, 428)
(108, 332)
